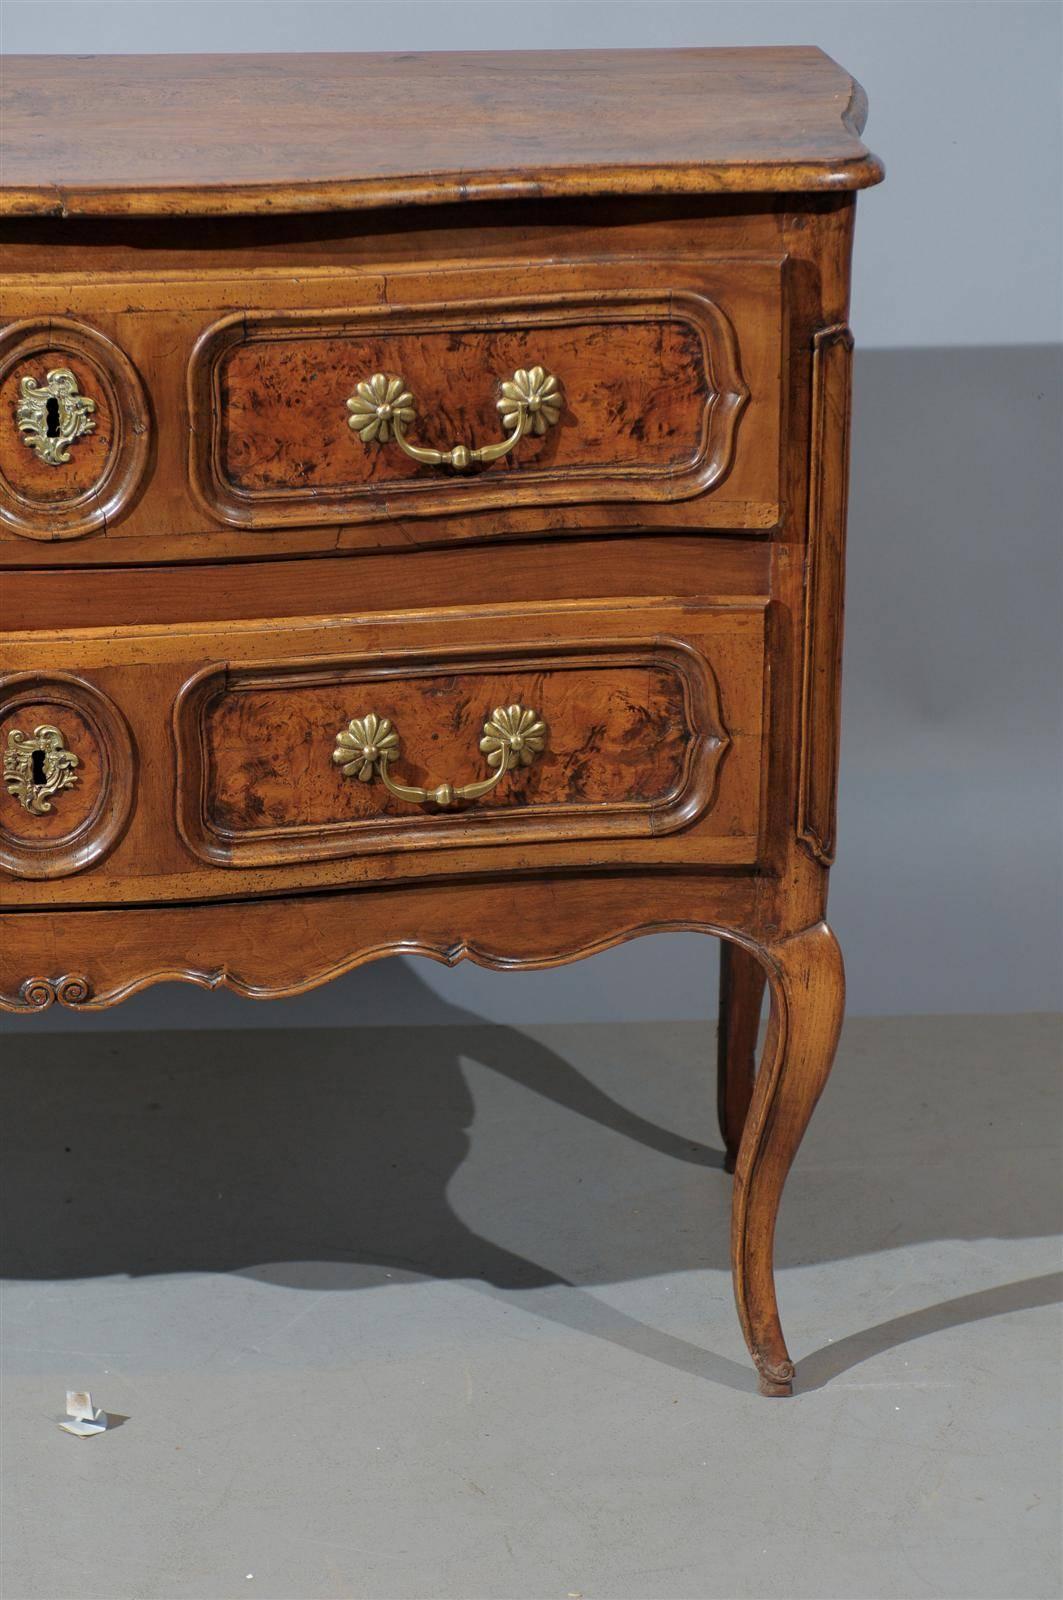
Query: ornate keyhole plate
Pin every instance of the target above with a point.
(38, 766)
(53, 414)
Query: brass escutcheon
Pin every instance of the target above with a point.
(38, 766)
(52, 415)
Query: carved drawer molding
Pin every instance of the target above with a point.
(651, 385)
(634, 737)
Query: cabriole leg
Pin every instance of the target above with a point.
(742, 981)
(807, 985)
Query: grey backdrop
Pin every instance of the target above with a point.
(947, 895)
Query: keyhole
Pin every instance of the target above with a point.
(51, 424)
(37, 767)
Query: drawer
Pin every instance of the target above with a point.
(317, 758)
(316, 752)
(593, 393)
(211, 417)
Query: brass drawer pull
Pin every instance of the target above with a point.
(531, 402)
(513, 737)
(51, 415)
(38, 766)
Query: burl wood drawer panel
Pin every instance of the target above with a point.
(641, 725)
(640, 395)
(215, 418)
(620, 740)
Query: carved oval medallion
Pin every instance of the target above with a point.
(68, 775)
(73, 429)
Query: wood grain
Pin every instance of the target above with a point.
(685, 568)
(616, 735)
(265, 949)
(822, 656)
(742, 981)
(209, 135)
(634, 742)
(806, 981)
(172, 323)
(652, 380)
(170, 851)
(636, 394)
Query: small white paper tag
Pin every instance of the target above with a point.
(82, 1417)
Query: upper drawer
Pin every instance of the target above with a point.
(571, 395)
(543, 398)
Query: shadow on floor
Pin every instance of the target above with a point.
(343, 1158)
(832, 1360)
(220, 1151)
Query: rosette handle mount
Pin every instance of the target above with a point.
(513, 736)
(382, 408)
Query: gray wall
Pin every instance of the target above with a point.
(947, 895)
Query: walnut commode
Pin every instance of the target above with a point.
(422, 501)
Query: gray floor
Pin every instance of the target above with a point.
(446, 1313)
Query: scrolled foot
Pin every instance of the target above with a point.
(775, 1381)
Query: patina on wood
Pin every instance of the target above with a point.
(206, 135)
(200, 455)
(223, 575)
(286, 420)
(268, 748)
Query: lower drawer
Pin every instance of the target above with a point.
(203, 761)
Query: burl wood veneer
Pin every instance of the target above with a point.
(422, 507)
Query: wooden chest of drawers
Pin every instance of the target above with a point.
(422, 500)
